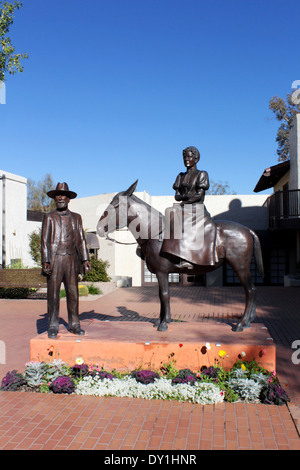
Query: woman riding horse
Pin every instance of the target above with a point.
(191, 236)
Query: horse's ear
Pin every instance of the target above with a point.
(131, 189)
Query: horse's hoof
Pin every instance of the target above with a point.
(238, 328)
(162, 327)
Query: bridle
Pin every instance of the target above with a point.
(117, 241)
(132, 243)
(159, 236)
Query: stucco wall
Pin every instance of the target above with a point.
(245, 209)
(285, 179)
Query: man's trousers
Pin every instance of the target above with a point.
(65, 269)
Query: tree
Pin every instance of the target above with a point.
(284, 111)
(219, 188)
(9, 60)
(37, 198)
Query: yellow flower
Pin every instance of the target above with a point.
(243, 367)
(222, 353)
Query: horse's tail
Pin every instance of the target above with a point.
(258, 254)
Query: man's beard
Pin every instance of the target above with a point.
(61, 205)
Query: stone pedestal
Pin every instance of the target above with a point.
(129, 345)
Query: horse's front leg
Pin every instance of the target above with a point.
(164, 296)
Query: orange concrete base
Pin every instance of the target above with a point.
(126, 346)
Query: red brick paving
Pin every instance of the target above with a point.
(34, 421)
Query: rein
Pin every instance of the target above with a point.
(120, 243)
(128, 243)
(158, 236)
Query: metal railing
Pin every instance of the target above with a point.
(284, 206)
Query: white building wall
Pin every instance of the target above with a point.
(13, 203)
(13, 220)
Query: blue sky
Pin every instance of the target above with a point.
(113, 90)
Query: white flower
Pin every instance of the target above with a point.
(79, 361)
(207, 345)
(162, 388)
(243, 354)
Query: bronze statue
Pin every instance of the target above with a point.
(191, 237)
(63, 249)
(235, 244)
(191, 185)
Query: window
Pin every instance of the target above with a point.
(277, 267)
(232, 278)
(151, 278)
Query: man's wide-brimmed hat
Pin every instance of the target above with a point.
(62, 188)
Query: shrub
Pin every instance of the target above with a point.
(98, 271)
(62, 294)
(12, 381)
(105, 375)
(35, 246)
(62, 384)
(93, 290)
(250, 367)
(144, 376)
(15, 292)
(248, 389)
(247, 386)
(55, 369)
(79, 370)
(185, 376)
(273, 394)
(211, 372)
(34, 373)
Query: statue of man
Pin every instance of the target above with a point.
(64, 250)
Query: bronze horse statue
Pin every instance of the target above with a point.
(235, 244)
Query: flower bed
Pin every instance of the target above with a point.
(246, 381)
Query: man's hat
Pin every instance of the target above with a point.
(62, 188)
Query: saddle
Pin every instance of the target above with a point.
(190, 235)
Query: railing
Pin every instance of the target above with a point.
(284, 209)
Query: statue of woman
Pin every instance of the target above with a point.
(191, 185)
(190, 232)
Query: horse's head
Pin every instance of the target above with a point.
(115, 215)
